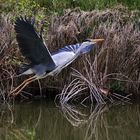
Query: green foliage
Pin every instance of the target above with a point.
(42, 8)
(19, 6)
(117, 86)
(59, 5)
(38, 7)
(23, 7)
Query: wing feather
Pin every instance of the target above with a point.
(30, 44)
(70, 48)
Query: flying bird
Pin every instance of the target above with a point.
(43, 63)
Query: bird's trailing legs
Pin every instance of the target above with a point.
(18, 89)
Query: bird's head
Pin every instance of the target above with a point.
(87, 45)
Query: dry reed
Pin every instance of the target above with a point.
(87, 87)
(117, 59)
(7, 55)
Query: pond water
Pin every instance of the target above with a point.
(43, 120)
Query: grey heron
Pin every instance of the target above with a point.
(42, 62)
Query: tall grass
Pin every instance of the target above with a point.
(116, 60)
(7, 56)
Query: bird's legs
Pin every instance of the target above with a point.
(18, 89)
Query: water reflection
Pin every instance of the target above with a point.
(43, 120)
(89, 120)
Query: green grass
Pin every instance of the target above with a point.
(58, 6)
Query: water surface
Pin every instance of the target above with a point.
(43, 120)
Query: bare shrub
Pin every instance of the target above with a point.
(88, 86)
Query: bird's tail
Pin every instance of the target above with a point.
(25, 69)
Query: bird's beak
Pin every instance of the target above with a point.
(96, 40)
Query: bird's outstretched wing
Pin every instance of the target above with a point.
(70, 48)
(30, 43)
(73, 48)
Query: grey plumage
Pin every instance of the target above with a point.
(41, 60)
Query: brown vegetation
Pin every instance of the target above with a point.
(116, 61)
